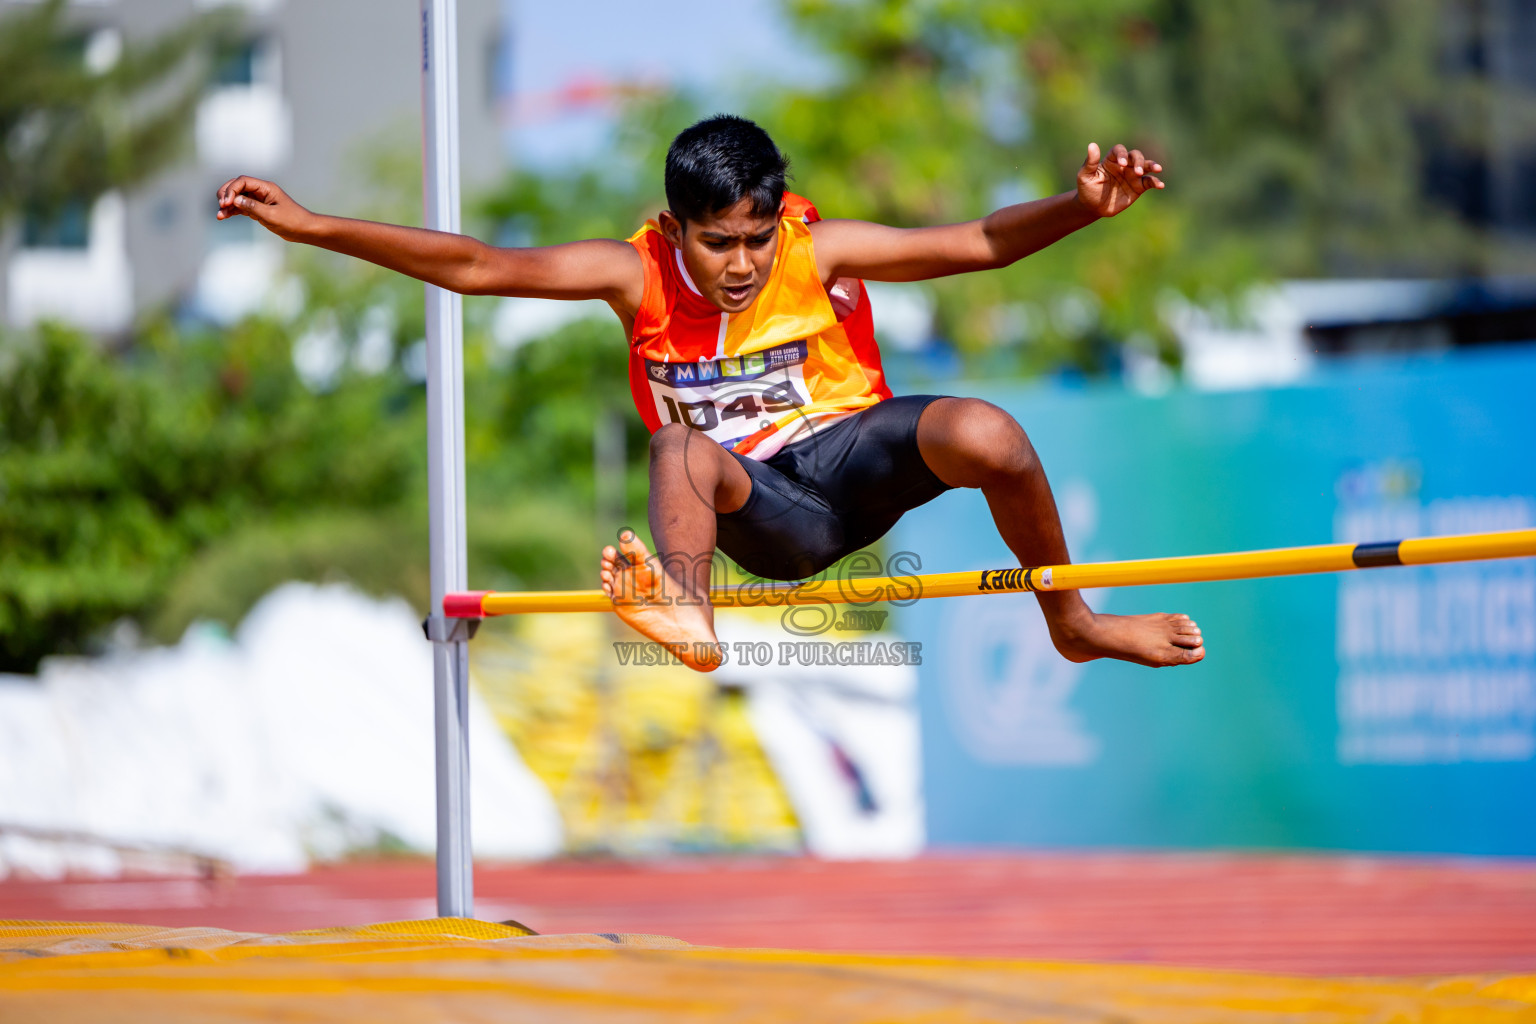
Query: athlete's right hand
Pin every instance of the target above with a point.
(263, 202)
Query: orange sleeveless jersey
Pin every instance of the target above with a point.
(754, 381)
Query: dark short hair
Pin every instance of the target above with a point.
(713, 164)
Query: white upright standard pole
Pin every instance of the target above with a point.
(445, 462)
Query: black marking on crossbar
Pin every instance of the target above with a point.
(1372, 556)
(1001, 581)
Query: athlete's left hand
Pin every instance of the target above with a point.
(1107, 186)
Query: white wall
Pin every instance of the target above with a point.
(90, 287)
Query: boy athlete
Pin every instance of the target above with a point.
(753, 362)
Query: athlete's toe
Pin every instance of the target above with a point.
(631, 548)
(1188, 656)
(1184, 626)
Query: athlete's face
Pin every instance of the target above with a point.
(728, 254)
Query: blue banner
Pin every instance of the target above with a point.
(1386, 709)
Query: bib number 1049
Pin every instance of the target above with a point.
(709, 414)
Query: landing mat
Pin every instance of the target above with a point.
(447, 969)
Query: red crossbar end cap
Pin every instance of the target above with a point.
(464, 605)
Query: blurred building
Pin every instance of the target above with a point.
(1495, 39)
(298, 98)
(1289, 328)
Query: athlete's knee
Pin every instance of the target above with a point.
(671, 439)
(679, 452)
(995, 444)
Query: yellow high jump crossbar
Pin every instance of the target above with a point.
(1240, 565)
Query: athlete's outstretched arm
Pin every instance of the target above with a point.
(595, 269)
(855, 248)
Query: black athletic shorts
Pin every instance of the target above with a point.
(824, 497)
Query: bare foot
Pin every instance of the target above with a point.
(647, 599)
(1157, 640)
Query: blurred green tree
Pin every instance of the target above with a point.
(1296, 134)
(72, 128)
(115, 472)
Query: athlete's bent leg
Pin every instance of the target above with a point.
(971, 443)
(666, 596)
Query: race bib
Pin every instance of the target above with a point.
(730, 399)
